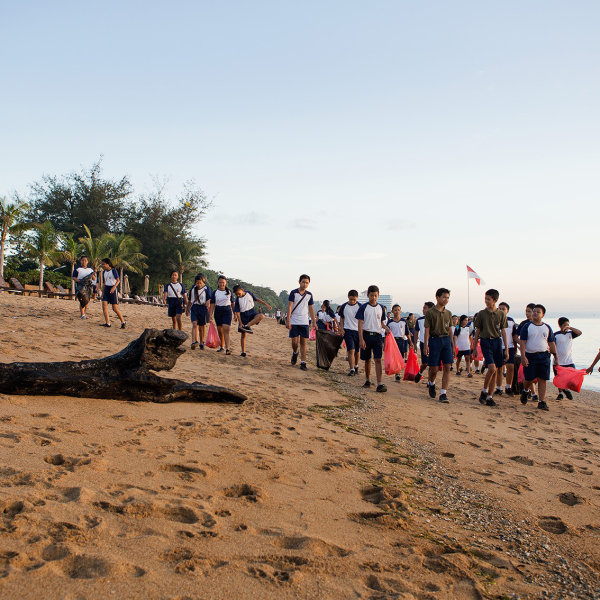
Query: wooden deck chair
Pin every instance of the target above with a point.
(5, 287)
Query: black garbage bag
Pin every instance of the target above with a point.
(328, 345)
(84, 290)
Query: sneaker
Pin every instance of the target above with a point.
(351, 373)
(246, 329)
(482, 397)
(534, 398)
(294, 358)
(366, 384)
(431, 390)
(221, 349)
(194, 345)
(303, 366)
(123, 325)
(477, 371)
(508, 391)
(490, 401)
(381, 388)
(452, 368)
(458, 373)
(397, 377)
(83, 317)
(106, 325)
(543, 406)
(418, 377)
(568, 395)
(201, 346)
(356, 370)
(243, 355)
(444, 399)
(560, 396)
(470, 375)
(498, 392)
(227, 351)
(524, 397)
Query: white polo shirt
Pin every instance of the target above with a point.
(299, 310)
(564, 347)
(373, 317)
(536, 337)
(348, 311)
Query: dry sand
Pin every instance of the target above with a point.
(313, 488)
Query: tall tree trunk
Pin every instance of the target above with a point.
(2, 242)
(41, 274)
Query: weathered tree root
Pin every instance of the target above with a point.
(123, 376)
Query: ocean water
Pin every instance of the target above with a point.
(585, 347)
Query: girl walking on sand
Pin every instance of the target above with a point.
(221, 309)
(109, 295)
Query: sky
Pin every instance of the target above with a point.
(387, 143)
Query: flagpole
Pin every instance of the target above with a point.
(468, 296)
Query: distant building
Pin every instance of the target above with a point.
(384, 299)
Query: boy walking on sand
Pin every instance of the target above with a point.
(419, 338)
(349, 329)
(439, 342)
(371, 318)
(490, 327)
(564, 347)
(300, 305)
(509, 363)
(537, 343)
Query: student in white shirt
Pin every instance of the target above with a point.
(300, 306)
(221, 304)
(175, 297)
(245, 313)
(419, 338)
(198, 307)
(79, 274)
(400, 331)
(326, 317)
(109, 295)
(564, 347)
(512, 339)
(349, 329)
(462, 336)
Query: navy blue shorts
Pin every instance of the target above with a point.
(247, 316)
(174, 307)
(108, 297)
(440, 351)
(374, 343)
(299, 331)
(321, 324)
(423, 357)
(464, 353)
(511, 357)
(351, 339)
(199, 314)
(538, 367)
(223, 315)
(491, 348)
(402, 345)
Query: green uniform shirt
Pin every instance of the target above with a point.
(438, 321)
(490, 324)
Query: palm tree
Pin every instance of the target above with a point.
(44, 247)
(70, 251)
(124, 252)
(11, 222)
(187, 256)
(93, 248)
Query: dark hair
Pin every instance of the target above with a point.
(504, 304)
(175, 271)
(462, 318)
(393, 307)
(108, 262)
(562, 321)
(493, 294)
(303, 276)
(84, 256)
(225, 278)
(429, 304)
(200, 277)
(541, 306)
(410, 315)
(531, 305)
(441, 291)
(237, 287)
(352, 293)
(372, 288)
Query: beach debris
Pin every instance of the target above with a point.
(125, 375)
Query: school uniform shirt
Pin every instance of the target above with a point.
(536, 337)
(300, 305)
(490, 323)
(564, 347)
(398, 328)
(438, 321)
(520, 326)
(199, 296)
(463, 338)
(510, 330)
(82, 272)
(373, 317)
(110, 278)
(348, 311)
(174, 290)
(221, 298)
(420, 329)
(324, 316)
(244, 303)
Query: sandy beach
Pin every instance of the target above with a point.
(313, 488)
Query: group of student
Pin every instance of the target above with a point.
(442, 339)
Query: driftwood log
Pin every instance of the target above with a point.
(122, 376)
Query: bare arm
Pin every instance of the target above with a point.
(577, 332)
(552, 347)
(289, 314)
(524, 360)
(590, 369)
(426, 342)
(360, 334)
(264, 303)
(311, 310)
(505, 340)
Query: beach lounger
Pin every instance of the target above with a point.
(32, 290)
(55, 292)
(64, 293)
(17, 285)
(5, 287)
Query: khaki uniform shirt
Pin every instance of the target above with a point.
(438, 321)
(490, 324)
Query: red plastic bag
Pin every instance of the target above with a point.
(521, 376)
(212, 338)
(568, 378)
(412, 366)
(394, 363)
(313, 334)
(479, 354)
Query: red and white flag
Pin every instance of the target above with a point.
(473, 275)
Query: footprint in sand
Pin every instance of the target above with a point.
(242, 490)
(314, 546)
(571, 499)
(552, 525)
(567, 468)
(523, 460)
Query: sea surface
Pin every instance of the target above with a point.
(585, 347)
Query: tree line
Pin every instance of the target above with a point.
(63, 217)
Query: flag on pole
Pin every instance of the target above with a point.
(473, 275)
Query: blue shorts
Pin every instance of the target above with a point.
(110, 298)
(511, 357)
(351, 339)
(402, 345)
(174, 307)
(199, 314)
(423, 357)
(321, 324)
(464, 353)
(299, 331)
(538, 367)
(374, 343)
(247, 316)
(223, 315)
(440, 351)
(491, 348)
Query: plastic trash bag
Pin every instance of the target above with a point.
(521, 375)
(313, 334)
(412, 366)
(327, 347)
(393, 361)
(568, 378)
(212, 338)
